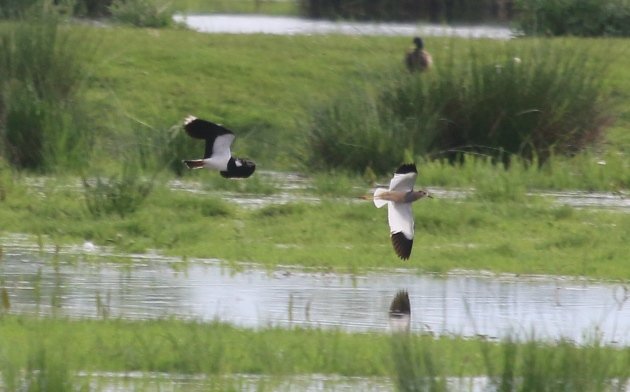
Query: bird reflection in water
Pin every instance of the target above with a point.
(400, 312)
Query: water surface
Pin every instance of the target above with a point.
(295, 187)
(284, 25)
(463, 304)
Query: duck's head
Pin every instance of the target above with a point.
(418, 42)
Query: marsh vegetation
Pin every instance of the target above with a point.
(530, 100)
(116, 122)
(53, 351)
(90, 137)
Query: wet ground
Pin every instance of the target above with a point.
(461, 303)
(294, 187)
(167, 382)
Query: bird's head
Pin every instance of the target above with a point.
(242, 168)
(417, 195)
(243, 162)
(418, 42)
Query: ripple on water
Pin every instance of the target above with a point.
(459, 303)
(284, 25)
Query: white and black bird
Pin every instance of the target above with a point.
(217, 155)
(398, 199)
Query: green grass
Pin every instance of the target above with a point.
(142, 13)
(40, 354)
(145, 81)
(585, 18)
(221, 77)
(150, 79)
(43, 114)
(148, 85)
(529, 99)
(590, 171)
(496, 228)
(269, 7)
(463, 11)
(156, 77)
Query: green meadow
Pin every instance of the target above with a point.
(142, 82)
(151, 77)
(106, 144)
(267, 7)
(484, 231)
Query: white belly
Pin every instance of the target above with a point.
(216, 163)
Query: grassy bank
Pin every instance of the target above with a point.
(142, 82)
(267, 7)
(183, 347)
(151, 79)
(497, 228)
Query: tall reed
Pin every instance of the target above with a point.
(417, 366)
(585, 18)
(526, 98)
(434, 10)
(563, 366)
(43, 121)
(92, 8)
(15, 8)
(530, 366)
(142, 13)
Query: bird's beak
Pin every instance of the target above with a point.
(429, 196)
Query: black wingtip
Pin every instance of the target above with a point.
(400, 304)
(402, 245)
(407, 168)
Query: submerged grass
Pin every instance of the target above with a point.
(58, 348)
(498, 229)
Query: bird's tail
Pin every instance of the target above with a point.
(194, 164)
(378, 202)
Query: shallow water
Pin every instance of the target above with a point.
(294, 187)
(110, 382)
(457, 304)
(291, 188)
(253, 24)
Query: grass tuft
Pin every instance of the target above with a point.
(585, 18)
(530, 99)
(43, 121)
(119, 194)
(142, 13)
